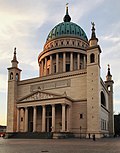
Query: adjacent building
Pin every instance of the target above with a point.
(69, 95)
(117, 124)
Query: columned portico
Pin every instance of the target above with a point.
(51, 64)
(43, 115)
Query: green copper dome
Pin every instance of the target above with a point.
(67, 28)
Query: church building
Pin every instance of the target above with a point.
(69, 95)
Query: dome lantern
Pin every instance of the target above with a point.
(67, 18)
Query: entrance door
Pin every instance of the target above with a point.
(67, 67)
(48, 124)
(30, 126)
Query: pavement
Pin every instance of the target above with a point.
(104, 145)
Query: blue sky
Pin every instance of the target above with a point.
(25, 25)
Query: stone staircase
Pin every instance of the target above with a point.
(63, 135)
(39, 135)
(29, 135)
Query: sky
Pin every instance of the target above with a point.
(25, 24)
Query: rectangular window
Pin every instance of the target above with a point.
(104, 125)
(54, 68)
(21, 119)
(67, 67)
(81, 116)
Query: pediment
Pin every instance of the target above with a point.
(39, 95)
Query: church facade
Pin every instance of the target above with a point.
(69, 96)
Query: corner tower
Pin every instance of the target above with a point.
(13, 78)
(109, 84)
(93, 85)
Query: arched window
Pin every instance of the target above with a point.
(17, 77)
(108, 87)
(92, 58)
(11, 75)
(103, 101)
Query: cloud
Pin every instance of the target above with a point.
(3, 83)
(80, 9)
(111, 39)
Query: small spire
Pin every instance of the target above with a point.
(14, 57)
(67, 8)
(108, 74)
(67, 18)
(93, 36)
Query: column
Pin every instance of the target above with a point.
(18, 119)
(57, 63)
(78, 61)
(63, 117)
(68, 118)
(43, 118)
(84, 60)
(42, 68)
(64, 62)
(71, 61)
(51, 65)
(45, 66)
(34, 118)
(53, 118)
(26, 119)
